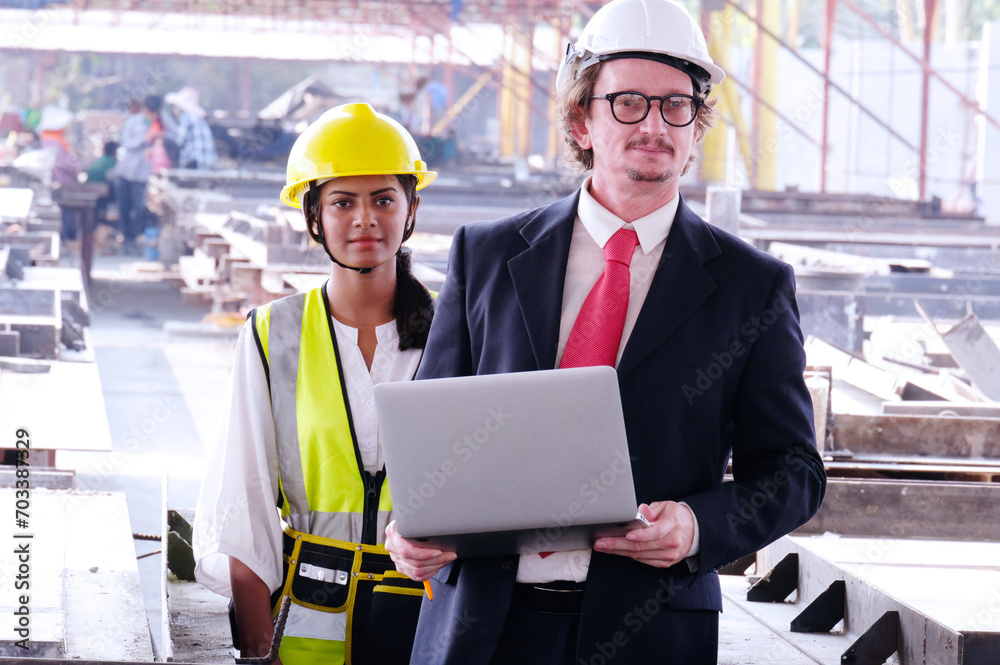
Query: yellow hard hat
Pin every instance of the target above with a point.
(351, 139)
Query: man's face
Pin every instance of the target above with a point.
(646, 154)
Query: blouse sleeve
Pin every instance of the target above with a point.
(236, 515)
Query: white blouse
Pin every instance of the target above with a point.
(236, 513)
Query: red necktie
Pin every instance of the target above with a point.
(597, 331)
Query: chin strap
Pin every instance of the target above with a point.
(360, 271)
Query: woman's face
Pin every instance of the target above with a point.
(364, 218)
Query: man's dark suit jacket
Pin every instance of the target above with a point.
(713, 368)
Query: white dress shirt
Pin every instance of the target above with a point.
(592, 229)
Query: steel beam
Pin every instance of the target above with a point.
(922, 635)
(877, 643)
(956, 437)
(778, 583)
(825, 612)
(974, 350)
(907, 509)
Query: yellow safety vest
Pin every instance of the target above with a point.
(334, 510)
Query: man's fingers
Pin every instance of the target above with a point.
(417, 563)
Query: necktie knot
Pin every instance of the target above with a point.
(621, 246)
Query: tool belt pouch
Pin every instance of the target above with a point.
(317, 575)
(386, 608)
(382, 604)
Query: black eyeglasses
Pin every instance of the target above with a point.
(630, 108)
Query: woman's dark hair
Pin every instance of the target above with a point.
(413, 307)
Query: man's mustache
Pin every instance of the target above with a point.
(649, 141)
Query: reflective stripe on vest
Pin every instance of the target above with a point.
(319, 464)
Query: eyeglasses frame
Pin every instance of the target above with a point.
(611, 96)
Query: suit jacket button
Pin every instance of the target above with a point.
(507, 566)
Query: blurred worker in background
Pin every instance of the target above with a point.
(102, 170)
(65, 166)
(134, 169)
(703, 331)
(301, 432)
(189, 131)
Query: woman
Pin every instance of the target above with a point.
(301, 428)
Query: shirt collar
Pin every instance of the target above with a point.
(601, 223)
(385, 333)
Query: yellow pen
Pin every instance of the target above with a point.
(427, 588)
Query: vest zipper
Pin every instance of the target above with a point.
(373, 488)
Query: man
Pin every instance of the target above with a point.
(134, 170)
(65, 166)
(190, 131)
(709, 360)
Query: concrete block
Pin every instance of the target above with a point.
(214, 247)
(28, 396)
(10, 343)
(819, 390)
(288, 255)
(45, 540)
(274, 234)
(38, 340)
(837, 318)
(245, 277)
(41, 246)
(44, 225)
(722, 208)
(15, 202)
(28, 302)
(105, 616)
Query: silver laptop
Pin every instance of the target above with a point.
(508, 463)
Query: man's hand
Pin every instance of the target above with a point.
(665, 542)
(417, 563)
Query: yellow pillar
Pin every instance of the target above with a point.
(713, 156)
(767, 124)
(555, 133)
(523, 37)
(508, 92)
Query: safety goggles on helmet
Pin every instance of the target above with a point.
(349, 140)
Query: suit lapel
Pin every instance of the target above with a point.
(539, 273)
(680, 285)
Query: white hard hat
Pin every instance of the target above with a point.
(187, 99)
(54, 118)
(656, 29)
